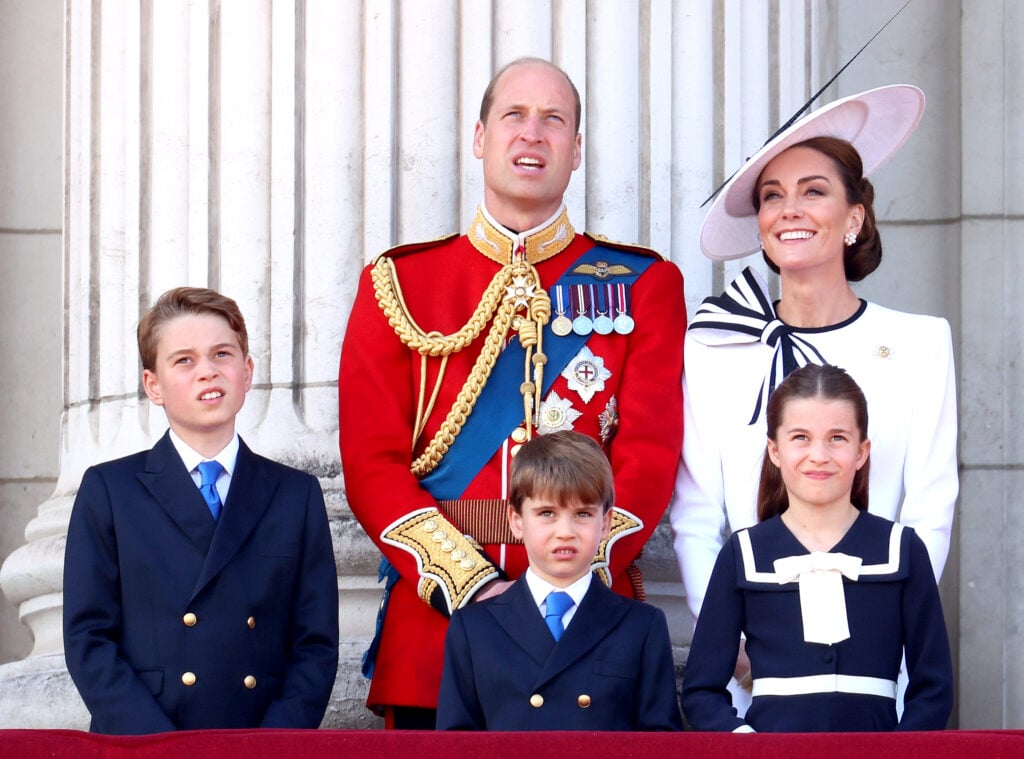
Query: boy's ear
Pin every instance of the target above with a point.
(515, 521)
(606, 523)
(251, 367)
(151, 384)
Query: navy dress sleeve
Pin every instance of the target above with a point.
(928, 701)
(707, 703)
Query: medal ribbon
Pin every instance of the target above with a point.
(621, 306)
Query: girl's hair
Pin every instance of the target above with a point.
(864, 256)
(812, 381)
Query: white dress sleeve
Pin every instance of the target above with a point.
(930, 476)
(698, 513)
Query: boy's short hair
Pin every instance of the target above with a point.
(182, 301)
(567, 467)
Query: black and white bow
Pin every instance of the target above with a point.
(744, 314)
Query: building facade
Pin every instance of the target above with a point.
(269, 149)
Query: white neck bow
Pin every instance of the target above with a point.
(822, 598)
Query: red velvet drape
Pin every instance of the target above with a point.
(302, 744)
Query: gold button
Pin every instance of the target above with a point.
(189, 678)
(583, 701)
(519, 435)
(439, 536)
(537, 700)
(515, 450)
(448, 546)
(467, 564)
(249, 682)
(251, 621)
(189, 619)
(429, 526)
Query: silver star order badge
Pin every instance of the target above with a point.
(556, 414)
(519, 291)
(586, 374)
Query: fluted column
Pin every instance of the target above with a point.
(991, 280)
(189, 161)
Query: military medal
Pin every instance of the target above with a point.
(582, 325)
(603, 323)
(609, 420)
(586, 374)
(623, 323)
(556, 414)
(561, 325)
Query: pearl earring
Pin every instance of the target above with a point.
(850, 238)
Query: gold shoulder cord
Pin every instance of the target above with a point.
(515, 286)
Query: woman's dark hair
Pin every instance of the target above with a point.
(864, 256)
(812, 381)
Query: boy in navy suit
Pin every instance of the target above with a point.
(557, 650)
(199, 582)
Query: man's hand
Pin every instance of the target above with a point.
(496, 588)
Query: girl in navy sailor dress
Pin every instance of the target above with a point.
(827, 595)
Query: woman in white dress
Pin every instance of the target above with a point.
(805, 197)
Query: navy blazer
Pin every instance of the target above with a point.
(174, 621)
(893, 611)
(611, 670)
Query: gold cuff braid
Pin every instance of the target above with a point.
(446, 558)
(623, 523)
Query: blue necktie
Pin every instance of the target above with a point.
(558, 603)
(209, 471)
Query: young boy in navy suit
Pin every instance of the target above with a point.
(199, 582)
(557, 650)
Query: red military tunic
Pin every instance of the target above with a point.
(635, 399)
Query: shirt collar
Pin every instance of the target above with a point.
(539, 588)
(191, 457)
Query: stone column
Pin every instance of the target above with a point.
(194, 156)
(991, 375)
(31, 149)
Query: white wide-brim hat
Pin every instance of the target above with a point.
(876, 122)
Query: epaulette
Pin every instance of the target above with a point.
(412, 247)
(629, 248)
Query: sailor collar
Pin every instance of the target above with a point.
(820, 575)
(876, 543)
(540, 243)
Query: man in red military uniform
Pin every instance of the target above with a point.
(459, 350)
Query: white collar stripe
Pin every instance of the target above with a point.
(753, 575)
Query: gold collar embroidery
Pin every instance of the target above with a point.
(541, 243)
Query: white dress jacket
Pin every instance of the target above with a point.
(903, 363)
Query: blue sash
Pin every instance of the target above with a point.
(494, 416)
